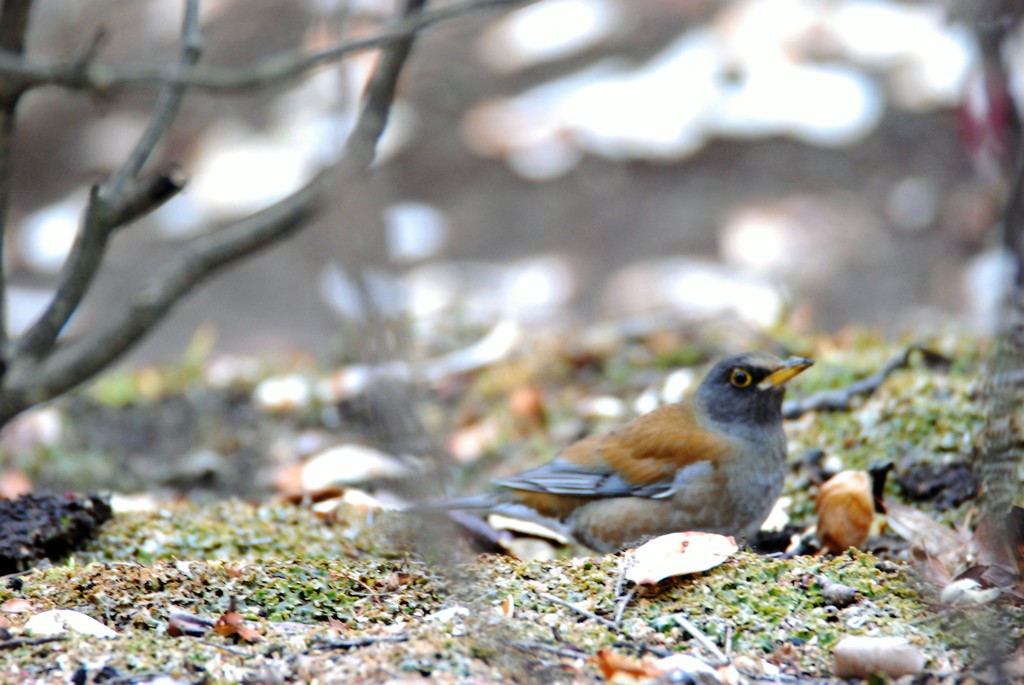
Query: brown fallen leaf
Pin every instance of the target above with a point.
(683, 668)
(619, 668)
(924, 532)
(232, 623)
(14, 483)
(931, 569)
(507, 608)
(16, 605)
(527, 406)
(846, 511)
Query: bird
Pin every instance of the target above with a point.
(714, 462)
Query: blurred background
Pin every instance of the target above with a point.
(814, 163)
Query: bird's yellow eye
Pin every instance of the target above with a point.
(740, 378)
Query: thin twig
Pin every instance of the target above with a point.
(842, 400)
(165, 112)
(102, 78)
(224, 648)
(361, 146)
(29, 641)
(136, 677)
(623, 600)
(356, 642)
(695, 632)
(574, 653)
(621, 605)
(582, 612)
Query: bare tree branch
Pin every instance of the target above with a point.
(103, 78)
(68, 366)
(167, 107)
(120, 200)
(361, 147)
(14, 17)
(80, 360)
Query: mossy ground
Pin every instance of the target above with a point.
(432, 610)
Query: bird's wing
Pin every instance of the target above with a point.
(560, 477)
(651, 456)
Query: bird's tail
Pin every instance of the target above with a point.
(485, 501)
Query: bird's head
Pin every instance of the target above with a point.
(748, 388)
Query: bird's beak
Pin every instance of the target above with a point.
(788, 369)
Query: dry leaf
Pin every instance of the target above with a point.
(16, 606)
(526, 404)
(846, 510)
(677, 554)
(232, 623)
(685, 668)
(860, 656)
(529, 549)
(523, 527)
(967, 592)
(618, 668)
(59, 621)
(920, 530)
(14, 483)
(350, 463)
(507, 609)
(469, 443)
(933, 570)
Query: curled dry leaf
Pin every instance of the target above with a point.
(619, 668)
(846, 510)
(860, 656)
(537, 530)
(677, 554)
(507, 609)
(232, 623)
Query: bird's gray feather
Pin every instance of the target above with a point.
(562, 477)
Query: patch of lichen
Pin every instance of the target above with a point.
(239, 531)
(756, 605)
(774, 606)
(127, 595)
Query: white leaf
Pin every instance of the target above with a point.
(677, 554)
